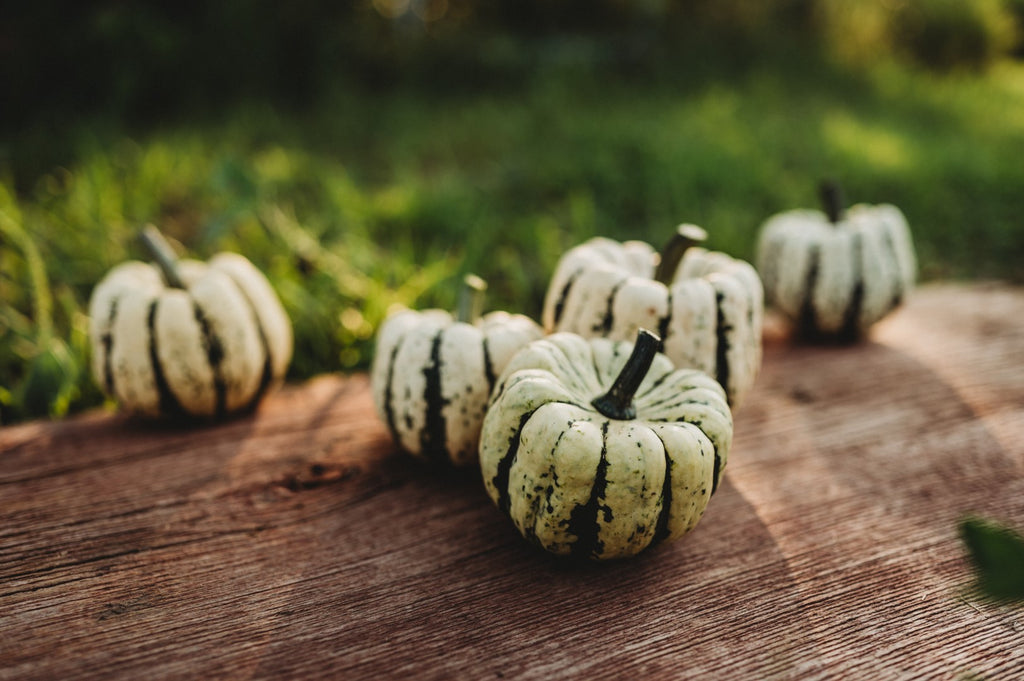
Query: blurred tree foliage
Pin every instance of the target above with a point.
(938, 34)
(146, 59)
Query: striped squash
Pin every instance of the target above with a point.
(433, 372)
(187, 338)
(834, 273)
(707, 306)
(602, 449)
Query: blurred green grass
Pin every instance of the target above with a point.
(379, 196)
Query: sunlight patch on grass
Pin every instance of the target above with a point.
(394, 202)
(275, 164)
(869, 144)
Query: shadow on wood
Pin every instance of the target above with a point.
(298, 541)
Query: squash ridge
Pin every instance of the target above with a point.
(214, 355)
(563, 296)
(169, 402)
(107, 342)
(267, 377)
(897, 293)
(851, 317)
(488, 365)
(605, 327)
(661, 530)
(504, 469)
(722, 329)
(665, 323)
(389, 396)
(808, 316)
(434, 435)
(583, 519)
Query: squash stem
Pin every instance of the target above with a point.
(161, 251)
(686, 237)
(471, 299)
(617, 403)
(832, 200)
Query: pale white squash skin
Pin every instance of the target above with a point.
(603, 288)
(405, 364)
(243, 318)
(235, 324)
(542, 441)
(811, 268)
(272, 317)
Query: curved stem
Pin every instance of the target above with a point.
(832, 200)
(471, 299)
(161, 251)
(686, 237)
(617, 403)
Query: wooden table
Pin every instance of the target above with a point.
(298, 542)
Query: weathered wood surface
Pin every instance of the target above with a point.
(297, 542)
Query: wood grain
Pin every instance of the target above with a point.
(297, 542)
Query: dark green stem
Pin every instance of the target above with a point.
(685, 238)
(832, 200)
(617, 403)
(471, 299)
(161, 251)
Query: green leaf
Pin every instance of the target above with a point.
(997, 553)
(51, 383)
